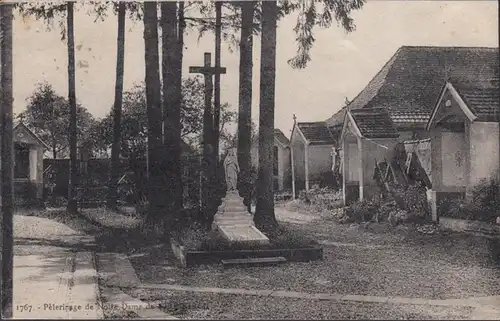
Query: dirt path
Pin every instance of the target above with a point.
(53, 269)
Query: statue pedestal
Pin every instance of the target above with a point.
(235, 223)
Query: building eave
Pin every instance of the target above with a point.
(296, 127)
(456, 96)
(32, 134)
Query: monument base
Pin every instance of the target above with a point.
(235, 223)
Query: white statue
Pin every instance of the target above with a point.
(232, 169)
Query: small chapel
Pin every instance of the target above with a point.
(28, 166)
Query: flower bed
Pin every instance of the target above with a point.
(194, 246)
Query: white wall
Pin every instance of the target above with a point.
(453, 153)
(319, 160)
(484, 151)
(354, 160)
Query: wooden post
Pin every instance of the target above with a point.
(293, 171)
(7, 161)
(292, 158)
(306, 158)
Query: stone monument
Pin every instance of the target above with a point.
(232, 218)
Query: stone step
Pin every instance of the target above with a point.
(235, 209)
(240, 213)
(248, 262)
(235, 222)
(242, 233)
(232, 199)
(234, 217)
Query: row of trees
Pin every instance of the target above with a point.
(164, 115)
(164, 91)
(47, 114)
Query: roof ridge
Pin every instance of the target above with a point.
(450, 47)
(311, 122)
(385, 67)
(368, 109)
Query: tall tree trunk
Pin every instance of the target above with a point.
(218, 31)
(73, 169)
(114, 169)
(153, 101)
(7, 160)
(264, 214)
(219, 192)
(171, 105)
(178, 137)
(245, 100)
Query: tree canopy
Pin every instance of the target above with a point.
(134, 119)
(47, 114)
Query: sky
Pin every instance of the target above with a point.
(342, 64)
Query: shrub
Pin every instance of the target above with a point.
(484, 204)
(487, 195)
(322, 198)
(464, 210)
(285, 237)
(413, 199)
(195, 238)
(362, 211)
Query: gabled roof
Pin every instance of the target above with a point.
(482, 97)
(281, 138)
(408, 85)
(479, 100)
(316, 133)
(374, 123)
(19, 124)
(336, 121)
(278, 136)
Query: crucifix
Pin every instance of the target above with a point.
(209, 159)
(208, 71)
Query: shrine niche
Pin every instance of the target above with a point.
(464, 139)
(28, 165)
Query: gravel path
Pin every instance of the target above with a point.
(234, 307)
(375, 260)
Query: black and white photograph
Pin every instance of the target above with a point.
(250, 159)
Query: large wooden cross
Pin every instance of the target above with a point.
(208, 72)
(208, 164)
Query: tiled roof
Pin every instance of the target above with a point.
(278, 134)
(482, 97)
(374, 123)
(337, 120)
(316, 133)
(409, 84)
(18, 124)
